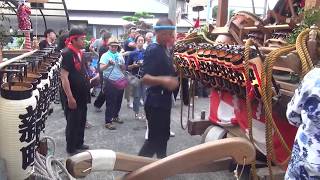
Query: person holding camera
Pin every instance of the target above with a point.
(135, 61)
(112, 65)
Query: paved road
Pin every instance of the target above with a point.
(129, 137)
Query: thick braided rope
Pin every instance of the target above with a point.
(267, 95)
(249, 42)
(267, 125)
(303, 52)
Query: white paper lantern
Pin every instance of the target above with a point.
(17, 133)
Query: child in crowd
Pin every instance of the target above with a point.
(93, 75)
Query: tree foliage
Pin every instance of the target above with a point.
(215, 12)
(310, 17)
(138, 16)
(4, 26)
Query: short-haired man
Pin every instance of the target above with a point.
(96, 45)
(129, 44)
(50, 37)
(159, 76)
(148, 39)
(75, 83)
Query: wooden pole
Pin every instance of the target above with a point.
(222, 13)
(172, 10)
(265, 7)
(1, 54)
(253, 7)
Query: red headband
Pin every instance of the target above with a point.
(68, 40)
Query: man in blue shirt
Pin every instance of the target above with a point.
(158, 75)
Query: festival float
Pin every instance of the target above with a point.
(253, 69)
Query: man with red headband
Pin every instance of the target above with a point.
(75, 83)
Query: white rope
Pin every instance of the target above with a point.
(49, 168)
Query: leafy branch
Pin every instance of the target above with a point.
(4, 30)
(310, 17)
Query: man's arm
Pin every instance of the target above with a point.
(72, 104)
(168, 82)
(93, 46)
(130, 63)
(132, 44)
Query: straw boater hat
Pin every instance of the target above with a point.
(113, 41)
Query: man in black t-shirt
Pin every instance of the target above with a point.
(75, 83)
(50, 37)
(159, 75)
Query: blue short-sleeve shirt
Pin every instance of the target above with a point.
(112, 72)
(158, 62)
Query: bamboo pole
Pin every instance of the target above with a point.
(5, 63)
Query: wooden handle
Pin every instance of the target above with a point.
(200, 158)
(80, 164)
(237, 148)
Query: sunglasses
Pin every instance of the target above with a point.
(114, 46)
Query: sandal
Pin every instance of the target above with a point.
(88, 125)
(110, 126)
(117, 120)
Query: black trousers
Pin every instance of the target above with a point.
(159, 132)
(185, 91)
(113, 97)
(101, 98)
(76, 121)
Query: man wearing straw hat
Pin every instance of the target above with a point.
(158, 75)
(75, 83)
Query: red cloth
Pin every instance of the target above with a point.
(227, 103)
(79, 53)
(23, 14)
(197, 24)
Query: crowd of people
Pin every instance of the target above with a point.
(111, 68)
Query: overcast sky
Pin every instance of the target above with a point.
(237, 5)
(246, 4)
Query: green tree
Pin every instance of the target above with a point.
(215, 12)
(138, 16)
(231, 12)
(138, 20)
(5, 37)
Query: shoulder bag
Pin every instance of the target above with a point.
(120, 83)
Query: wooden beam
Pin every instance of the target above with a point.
(222, 16)
(309, 4)
(38, 1)
(5, 63)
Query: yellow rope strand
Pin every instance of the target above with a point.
(249, 42)
(303, 52)
(267, 94)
